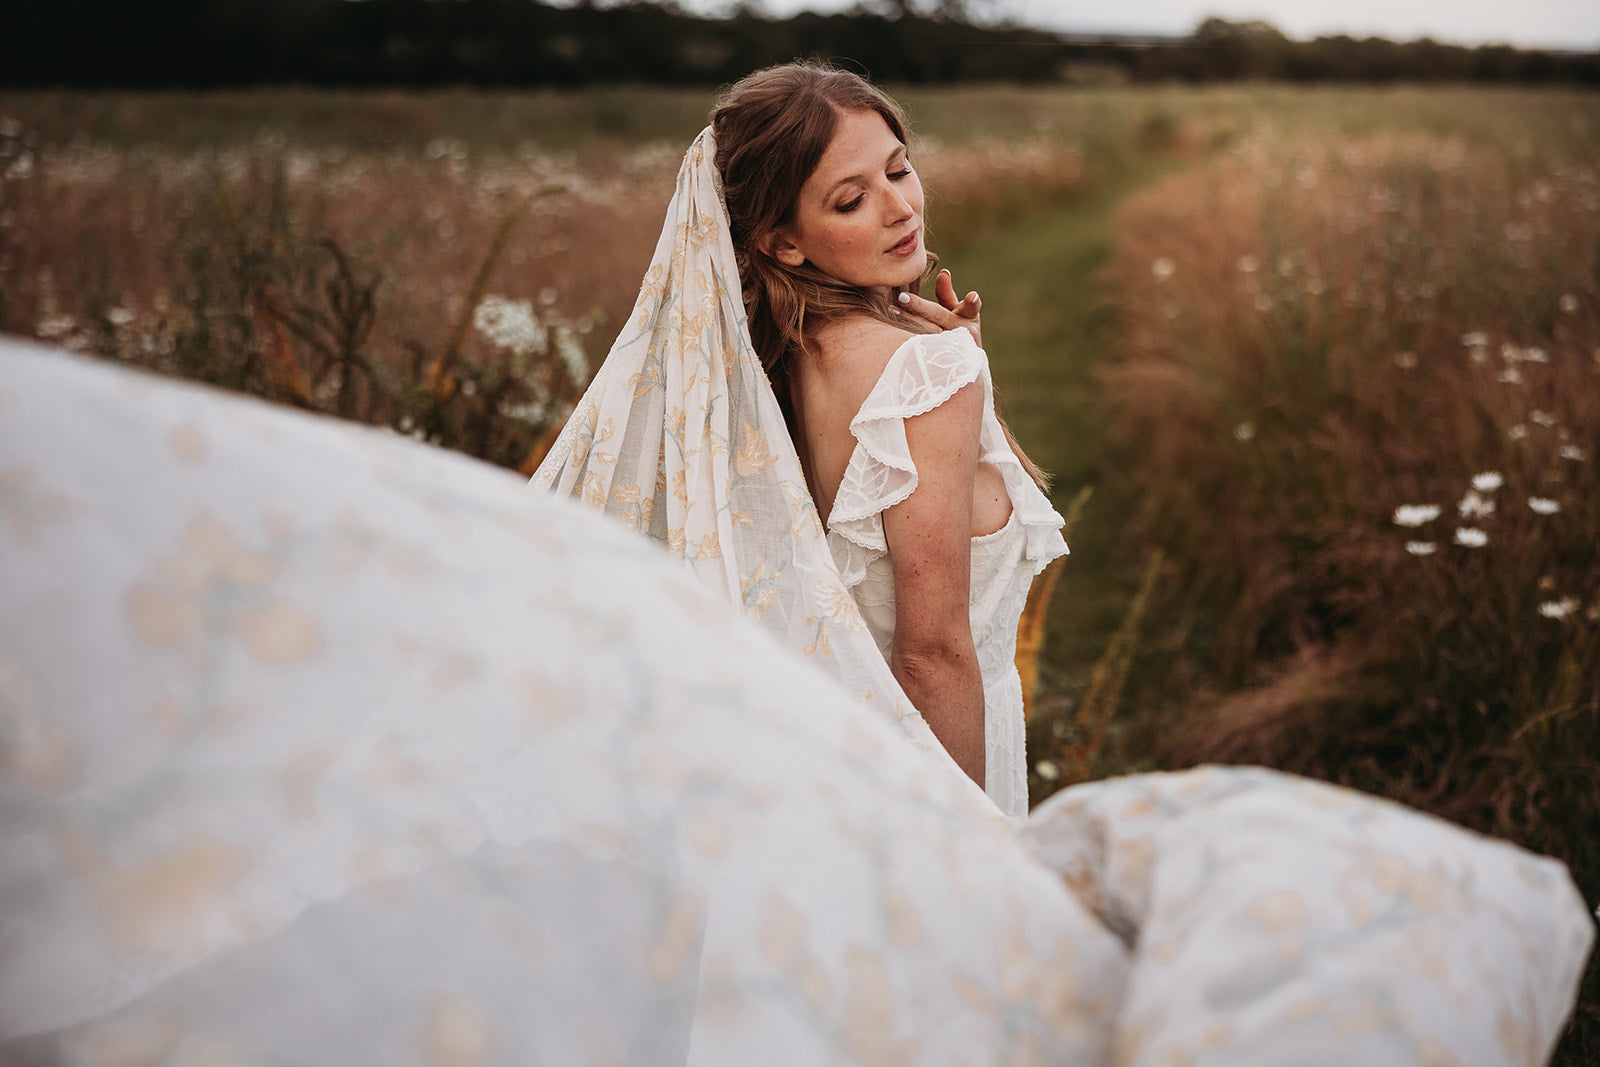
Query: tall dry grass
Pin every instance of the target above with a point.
(332, 250)
(1358, 390)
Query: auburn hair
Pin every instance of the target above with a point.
(771, 130)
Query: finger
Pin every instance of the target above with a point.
(969, 306)
(927, 309)
(945, 290)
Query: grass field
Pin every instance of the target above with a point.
(1327, 360)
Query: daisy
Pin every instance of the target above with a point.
(1414, 515)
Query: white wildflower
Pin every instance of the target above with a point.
(1475, 339)
(121, 316)
(1162, 268)
(511, 324)
(570, 349)
(536, 413)
(1559, 609)
(1047, 770)
(1573, 452)
(1511, 376)
(1569, 303)
(1543, 505)
(1245, 431)
(1543, 418)
(1249, 264)
(1517, 432)
(1471, 537)
(1535, 355)
(1415, 515)
(1421, 548)
(1487, 482)
(1263, 302)
(52, 326)
(1405, 360)
(1475, 506)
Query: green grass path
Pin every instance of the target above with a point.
(1046, 328)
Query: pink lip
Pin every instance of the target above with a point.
(906, 246)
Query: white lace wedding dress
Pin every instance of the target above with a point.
(923, 373)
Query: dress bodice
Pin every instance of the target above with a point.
(925, 371)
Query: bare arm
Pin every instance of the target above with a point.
(929, 537)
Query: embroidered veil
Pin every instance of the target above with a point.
(680, 436)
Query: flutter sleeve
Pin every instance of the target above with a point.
(923, 373)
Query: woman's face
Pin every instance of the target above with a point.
(859, 216)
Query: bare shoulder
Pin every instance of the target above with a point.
(853, 354)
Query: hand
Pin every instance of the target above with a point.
(948, 313)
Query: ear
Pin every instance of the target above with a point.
(780, 246)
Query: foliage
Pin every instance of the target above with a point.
(1358, 392)
(421, 43)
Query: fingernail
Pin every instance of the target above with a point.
(905, 298)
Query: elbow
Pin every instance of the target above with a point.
(936, 659)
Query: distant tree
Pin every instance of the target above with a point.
(1252, 49)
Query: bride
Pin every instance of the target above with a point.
(319, 746)
(795, 290)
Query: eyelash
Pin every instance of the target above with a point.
(894, 176)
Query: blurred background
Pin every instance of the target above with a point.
(1300, 302)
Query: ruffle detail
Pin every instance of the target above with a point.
(924, 372)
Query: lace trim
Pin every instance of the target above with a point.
(924, 372)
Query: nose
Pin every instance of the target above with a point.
(896, 208)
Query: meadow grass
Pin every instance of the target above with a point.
(1355, 389)
(1255, 321)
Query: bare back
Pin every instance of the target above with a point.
(828, 388)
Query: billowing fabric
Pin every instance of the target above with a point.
(680, 436)
(1277, 920)
(922, 374)
(319, 746)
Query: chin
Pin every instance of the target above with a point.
(913, 273)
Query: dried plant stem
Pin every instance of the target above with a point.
(1107, 680)
(1031, 627)
(439, 383)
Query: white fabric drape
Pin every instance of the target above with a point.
(319, 746)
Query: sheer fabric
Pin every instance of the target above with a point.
(322, 747)
(319, 746)
(680, 436)
(923, 373)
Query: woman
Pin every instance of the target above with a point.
(934, 522)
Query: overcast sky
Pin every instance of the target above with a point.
(1566, 24)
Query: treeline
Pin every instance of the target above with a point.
(508, 43)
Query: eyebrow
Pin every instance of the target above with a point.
(899, 148)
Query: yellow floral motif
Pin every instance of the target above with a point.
(753, 456)
(647, 380)
(821, 643)
(594, 491)
(803, 521)
(710, 547)
(840, 606)
(763, 583)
